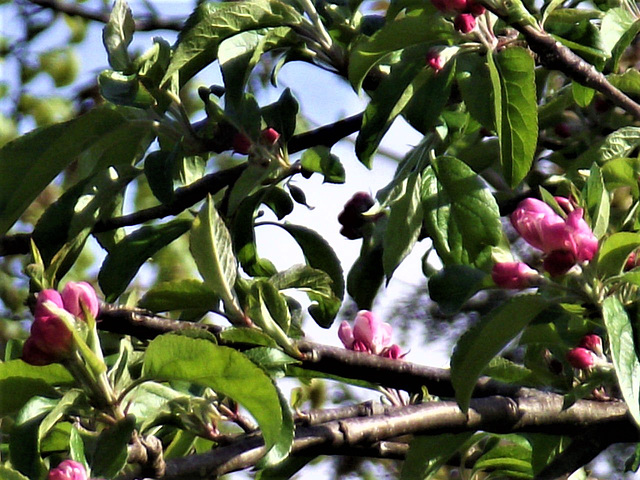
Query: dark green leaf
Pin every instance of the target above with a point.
(518, 129)
(7, 473)
(623, 353)
(404, 223)
(110, 455)
(100, 138)
(246, 335)
(228, 372)
(474, 81)
(365, 278)
(452, 286)
(281, 115)
(417, 27)
(158, 168)
(614, 251)
(388, 101)
(321, 160)
(461, 214)
(124, 90)
(427, 454)
(487, 338)
(129, 254)
(54, 374)
(22, 389)
(211, 23)
(183, 294)
(268, 309)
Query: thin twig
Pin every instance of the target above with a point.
(76, 10)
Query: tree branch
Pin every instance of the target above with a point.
(542, 413)
(75, 10)
(186, 197)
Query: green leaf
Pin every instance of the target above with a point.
(518, 128)
(417, 27)
(461, 215)
(124, 90)
(617, 144)
(211, 248)
(24, 443)
(228, 372)
(614, 251)
(365, 278)
(54, 374)
(129, 254)
(427, 454)
(22, 390)
(246, 335)
(69, 399)
(321, 160)
(110, 455)
(211, 23)
(487, 338)
(100, 138)
(623, 353)
(582, 95)
(598, 203)
(7, 473)
(267, 308)
(76, 447)
(281, 115)
(475, 84)
(388, 101)
(182, 294)
(404, 223)
(452, 286)
(158, 168)
(117, 35)
(319, 255)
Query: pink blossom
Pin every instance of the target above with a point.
(51, 336)
(48, 295)
(370, 335)
(564, 242)
(68, 470)
(33, 355)
(592, 342)
(435, 60)
(581, 358)
(76, 294)
(269, 136)
(464, 22)
(516, 275)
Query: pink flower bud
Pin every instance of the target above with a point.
(435, 60)
(351, 217)
(345, 334)
(532, 219)
(464, 22)
(516, 275)
(475, 8)
(77, 294)
(241, 143)
(581, 358)
(68, 470)
(559, 262)
(373, 333)
(586, 243)
(450, 5)
(632, 261)
(51, 336)
(592, 342)
(269, 136)
(32, 354)
(393, 352)
(47, 295)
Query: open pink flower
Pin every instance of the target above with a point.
(515, 275)
(564, 241)
(68, 470)
(369, 334)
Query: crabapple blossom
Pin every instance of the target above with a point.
(515, 275)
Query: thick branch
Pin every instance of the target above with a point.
(542, 413)
(76, 10)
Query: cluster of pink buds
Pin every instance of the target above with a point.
(242, 144)
(352, 217)
(369, 335)
(564, 242)
(588, 353)
(68, 470)
(50, 340)
(466, 10)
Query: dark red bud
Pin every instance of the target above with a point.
(562, 130)
(465, 22)
(475, 8)
(269, 136)
(241, 143)
(32, 354)
(559, 262)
